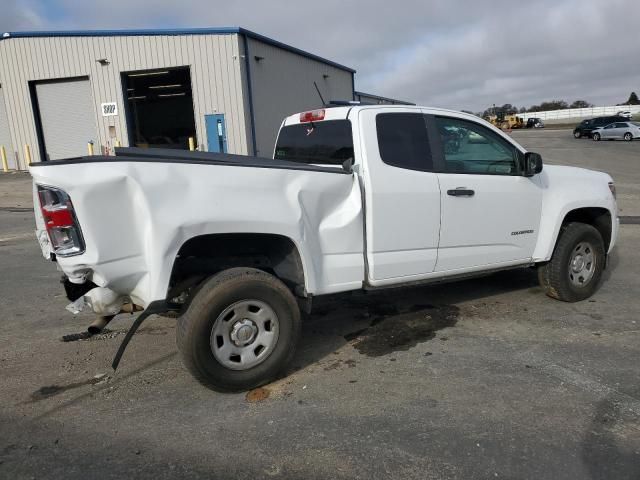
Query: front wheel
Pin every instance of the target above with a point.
(628, 137)
(240, 330)
(577, 134)
(575, 269)
(596, 137)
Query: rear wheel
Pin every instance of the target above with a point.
(628, 137)
(240, 330)
(596, 137)
(575, 269)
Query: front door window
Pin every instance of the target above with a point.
(472, 148)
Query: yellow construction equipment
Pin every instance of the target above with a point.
(505, 122)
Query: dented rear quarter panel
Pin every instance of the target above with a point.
(135, 217)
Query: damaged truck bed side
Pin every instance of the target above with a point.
(355, 197)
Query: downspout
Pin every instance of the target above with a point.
(353, 86)
(247, 63)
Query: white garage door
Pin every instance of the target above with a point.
(67, 116)
(5, 135)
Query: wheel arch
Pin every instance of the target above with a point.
(598, 217)
(204, 255)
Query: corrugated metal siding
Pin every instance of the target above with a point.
(68, 118)
(5, 134)
(214, 60)
(282, 84)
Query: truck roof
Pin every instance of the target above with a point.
(342, 112)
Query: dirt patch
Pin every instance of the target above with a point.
(335, 365)
(257, 395)
(16, 191)
(107, 334)
(401, 332)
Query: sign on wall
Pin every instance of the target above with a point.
(109, 109)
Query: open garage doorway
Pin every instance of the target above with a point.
(160, 108)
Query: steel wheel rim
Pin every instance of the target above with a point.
(627, 136)
(244, 334)
(582, 264)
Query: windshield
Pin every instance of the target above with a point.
(325, 142)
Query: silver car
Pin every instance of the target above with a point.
(618, 130)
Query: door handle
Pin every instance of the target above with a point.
(461, 192)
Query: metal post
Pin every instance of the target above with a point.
(192, 144)
(118, 144)
(3, 154)
(90, 148)
(27, 156)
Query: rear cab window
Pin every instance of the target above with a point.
(403, 141)
(324, 142)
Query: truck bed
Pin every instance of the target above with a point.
(137, 209)
(164, 155)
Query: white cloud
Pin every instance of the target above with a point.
(19, 15)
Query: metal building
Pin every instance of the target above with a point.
(228, 89)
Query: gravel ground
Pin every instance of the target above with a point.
(486, 378)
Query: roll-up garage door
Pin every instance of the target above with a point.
(5, 135)
(67, 117)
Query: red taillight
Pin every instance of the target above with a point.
(57, 218)
(60, 222)
(312, 116)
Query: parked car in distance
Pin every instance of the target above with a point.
(625, 114)
(617, 131)
(534, 122)
(587, 126)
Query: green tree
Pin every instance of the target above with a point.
(581, 104)
(554, 105)
(508, 109)
(633, 99)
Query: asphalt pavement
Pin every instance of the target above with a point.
(486, 378)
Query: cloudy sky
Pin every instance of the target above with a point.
(446, 53)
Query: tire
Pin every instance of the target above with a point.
(628, 136)
(577, 134)
(239, 304)
(560, 277)
(596, 137)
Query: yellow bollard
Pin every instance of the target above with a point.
(3, 154)
(90, 148)
(192, 144)
(27, 156)
(118, 144)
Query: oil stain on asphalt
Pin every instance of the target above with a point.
(401, 331)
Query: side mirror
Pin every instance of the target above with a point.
(532, 164)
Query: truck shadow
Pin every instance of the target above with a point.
(378, 323)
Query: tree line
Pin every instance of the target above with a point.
(509, 109)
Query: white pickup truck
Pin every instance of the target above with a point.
(356, 197)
